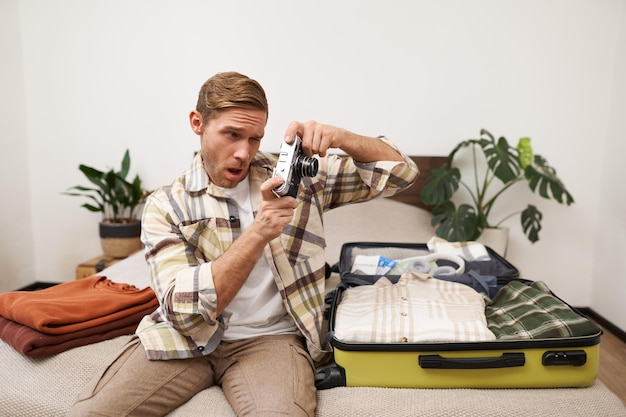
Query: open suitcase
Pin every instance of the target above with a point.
(571, 361)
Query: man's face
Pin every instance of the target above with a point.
(229, 142)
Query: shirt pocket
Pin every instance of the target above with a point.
(207, 238)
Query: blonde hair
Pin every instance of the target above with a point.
(230, 89)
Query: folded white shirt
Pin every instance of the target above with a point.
(418, 308)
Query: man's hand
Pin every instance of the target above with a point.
(274, 212)
(317, 139)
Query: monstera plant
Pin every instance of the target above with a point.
(504, 166)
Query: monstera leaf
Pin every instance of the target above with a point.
(441, 184)
(502, 159)
(531, 222)
(542, 177)
(457, 225)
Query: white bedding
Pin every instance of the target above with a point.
(132, 270)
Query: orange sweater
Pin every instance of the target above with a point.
(75, 305)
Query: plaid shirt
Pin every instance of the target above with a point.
(189, 224)
(418, 308)
(520, 311)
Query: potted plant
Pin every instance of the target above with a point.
(504, 166)
(119, 201)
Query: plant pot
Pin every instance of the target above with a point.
(120, 240)
(496, 238)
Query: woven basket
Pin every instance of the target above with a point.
(119, 240)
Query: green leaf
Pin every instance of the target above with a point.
(441, 184)
(92, 208)
(137, 191)
(93, 175)
(543, 179)
(456, 225)
(525, 152)
(461, 145)
(125, 165)
(531, 222)
(85, 190)
(502, 159)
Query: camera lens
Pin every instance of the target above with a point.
(306, 166)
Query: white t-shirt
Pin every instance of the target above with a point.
(258, 308)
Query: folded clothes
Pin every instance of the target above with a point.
(75, 305)
(417, 308)
(30, 342)
(470, 251)
(521, 311)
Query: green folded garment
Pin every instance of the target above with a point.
(521, 311)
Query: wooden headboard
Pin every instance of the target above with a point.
(412, 194)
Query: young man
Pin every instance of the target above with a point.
(239, 270)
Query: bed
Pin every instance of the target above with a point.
(47, 386)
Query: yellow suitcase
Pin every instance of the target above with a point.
(527, 363)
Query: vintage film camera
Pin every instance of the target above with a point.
(292, 165)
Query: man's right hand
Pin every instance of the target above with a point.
(275, 212)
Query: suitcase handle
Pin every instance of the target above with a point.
(506, 360)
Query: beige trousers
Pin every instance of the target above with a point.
(261, 376)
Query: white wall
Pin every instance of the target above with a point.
(17, 255)
(609, 272)
(101, 76)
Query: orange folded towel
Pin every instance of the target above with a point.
(75, 305)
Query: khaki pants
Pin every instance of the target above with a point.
(261, 376)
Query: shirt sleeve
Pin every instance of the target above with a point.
(183, 285)
(348, 181)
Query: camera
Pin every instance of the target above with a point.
(292, 165)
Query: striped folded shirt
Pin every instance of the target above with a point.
(417, 308)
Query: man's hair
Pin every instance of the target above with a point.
(229, 89)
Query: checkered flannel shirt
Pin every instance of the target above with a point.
(520, 311)
(189, 224)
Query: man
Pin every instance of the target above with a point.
(239, 270)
